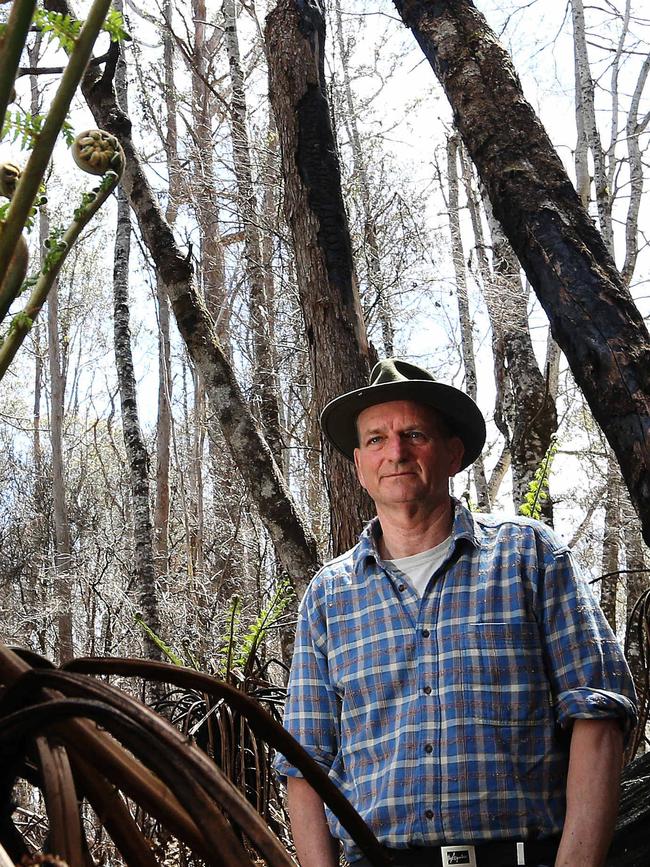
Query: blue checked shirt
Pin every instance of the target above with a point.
(443, 719)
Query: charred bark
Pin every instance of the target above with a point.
(611, 542)
(630, 846)
(592, 315)
(339, 352)
(295, 547)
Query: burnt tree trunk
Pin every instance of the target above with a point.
(313, 202)
(630, 846)
(592, 315)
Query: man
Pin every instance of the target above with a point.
(452, 673)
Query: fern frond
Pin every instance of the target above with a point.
(227, 650)
(537, 494)
(268, 616)
(166, 649)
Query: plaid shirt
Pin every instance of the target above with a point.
(442, 719)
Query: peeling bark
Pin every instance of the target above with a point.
(525, 406)
(637, 580)
(592, 315)
(339, 352)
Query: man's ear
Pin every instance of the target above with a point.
(357, 467)
(456, 452)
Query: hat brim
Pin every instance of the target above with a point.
(339, 418)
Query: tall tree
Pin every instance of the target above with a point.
(592, 315)
(606, 167)
(465, 318)
(137, 455)
(371, 248)
(164, 417)
(313, 202)
(524, 407)
(264, 374)
(56, 368)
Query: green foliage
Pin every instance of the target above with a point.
(88, 197)
(21, 320)
(65, 29)
(239, 649)
(537, 494)
(114, 26)
(165, 648)
(267, 617)
(55, 247)
(23, 128)
(227, 650)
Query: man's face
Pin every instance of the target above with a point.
(404, 454)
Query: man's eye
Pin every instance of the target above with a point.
(372, 441)
(415, 434)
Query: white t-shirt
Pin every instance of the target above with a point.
(419, 568)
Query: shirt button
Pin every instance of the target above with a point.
(427, 690)
(425, 633)
(428, 748)
(401, 588)
(429, 814)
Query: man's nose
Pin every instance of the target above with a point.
(397, 447)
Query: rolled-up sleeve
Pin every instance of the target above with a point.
(587, 671)
(311, 710)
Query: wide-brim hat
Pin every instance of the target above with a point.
(392, 379)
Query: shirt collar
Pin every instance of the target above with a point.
(463, 527)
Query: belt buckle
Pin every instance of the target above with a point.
(458, 856)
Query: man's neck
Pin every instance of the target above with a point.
(407, 531)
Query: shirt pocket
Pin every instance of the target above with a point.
(503, 676)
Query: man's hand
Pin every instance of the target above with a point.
(595, 760)
(314, 844)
